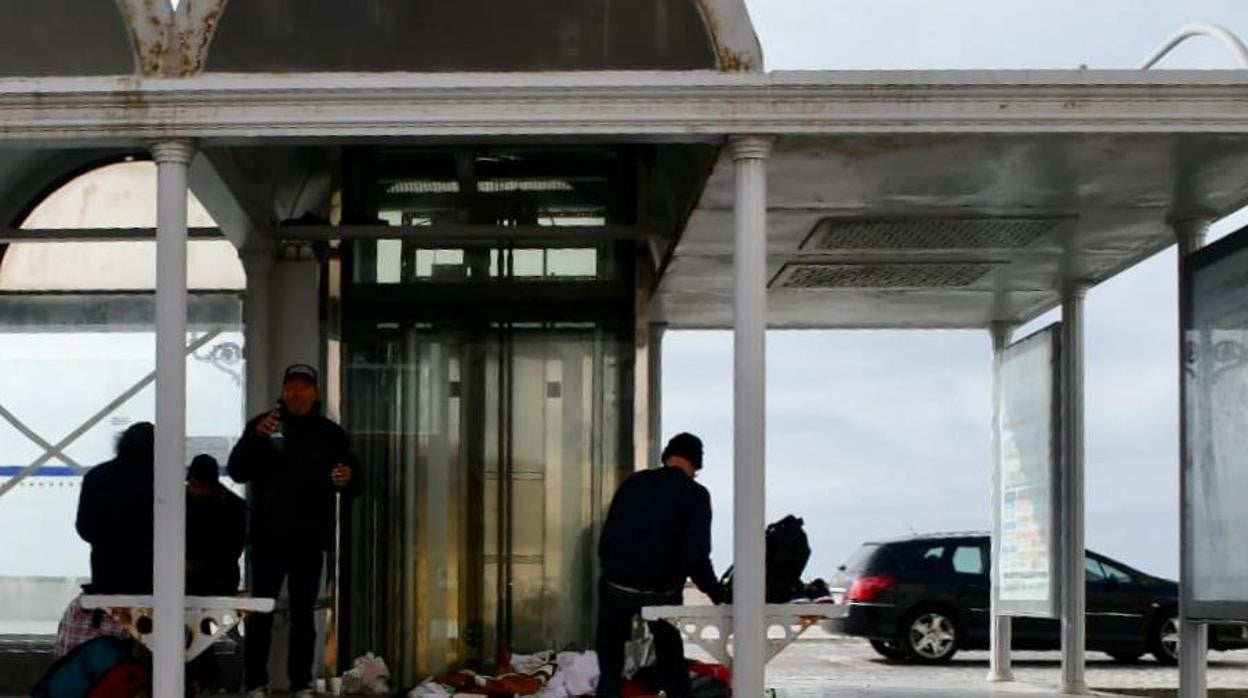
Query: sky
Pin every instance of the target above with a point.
(881, 434)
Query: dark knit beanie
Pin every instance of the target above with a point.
(686, 446)
(204, 468)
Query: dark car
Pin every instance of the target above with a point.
(924, 598)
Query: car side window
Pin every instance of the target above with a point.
(968, 559)
(1116, 574)
(933, 558)
(1093, 570)
(930, 559)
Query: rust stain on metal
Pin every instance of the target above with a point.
(149, 27)
(197, 22)
(729, 61)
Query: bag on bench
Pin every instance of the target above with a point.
(788, 551)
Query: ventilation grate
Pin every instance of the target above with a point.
(882, 276)
(422, 186)
(929, 233)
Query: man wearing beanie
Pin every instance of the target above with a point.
(657, 535)
(295, 460)
(216, 521)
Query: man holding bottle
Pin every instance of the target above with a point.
(295, 460)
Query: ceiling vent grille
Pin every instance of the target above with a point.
(816, 276)
(929, 233)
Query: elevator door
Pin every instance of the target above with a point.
(490, 453)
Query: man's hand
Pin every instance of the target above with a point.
(340, 475)
(268, 425)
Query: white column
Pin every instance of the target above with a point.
(295, 333)
(656, 390)
(169, 541)
(258, 264)
(1193, 637)
(641, 374)
(1074, 584)
(1001, 627)
(749, 154)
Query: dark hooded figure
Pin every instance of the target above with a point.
(216, 521)
(115, 515)
(295, 460)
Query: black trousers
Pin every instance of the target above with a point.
(300, 568)
(616, 610)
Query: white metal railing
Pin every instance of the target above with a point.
(1233, 44)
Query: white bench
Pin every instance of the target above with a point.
(710, 627)
(207, 618)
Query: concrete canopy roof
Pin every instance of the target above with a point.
(482, 35)
(949, 230)
(36, 36)
(1007, 183)
(155, 38)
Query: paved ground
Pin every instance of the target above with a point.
(841, 667)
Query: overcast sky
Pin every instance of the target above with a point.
(874, 434)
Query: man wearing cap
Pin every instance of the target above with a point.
(295, 460)
(657, 535)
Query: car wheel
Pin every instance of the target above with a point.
(1163, 640)
(888, 650)
(930, 637)
(1125, 657)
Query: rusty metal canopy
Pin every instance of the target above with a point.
(948, 231)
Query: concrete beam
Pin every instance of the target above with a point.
(680, 107)
(229, 197)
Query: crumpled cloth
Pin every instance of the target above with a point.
(368, 675)
(576, 675)
(504, 685)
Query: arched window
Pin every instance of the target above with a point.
(114, 196)
(77, 346)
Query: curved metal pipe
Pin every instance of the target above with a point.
(1224, 36)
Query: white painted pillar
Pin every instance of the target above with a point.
(295, 334)
(749, 154)
(1001, 627)
(642, 384)
(169, 540)
(657, 331)
(1193, 637)
(258, 264)
(1074, 584)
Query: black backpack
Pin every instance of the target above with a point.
(788, 551)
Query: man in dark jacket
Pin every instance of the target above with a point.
(115, 515)
(216, 524)
(295, 460)
(657, 535)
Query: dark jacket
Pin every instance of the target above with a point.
(215, 529)
(658, 533)
(115, 518)
(292, 497)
